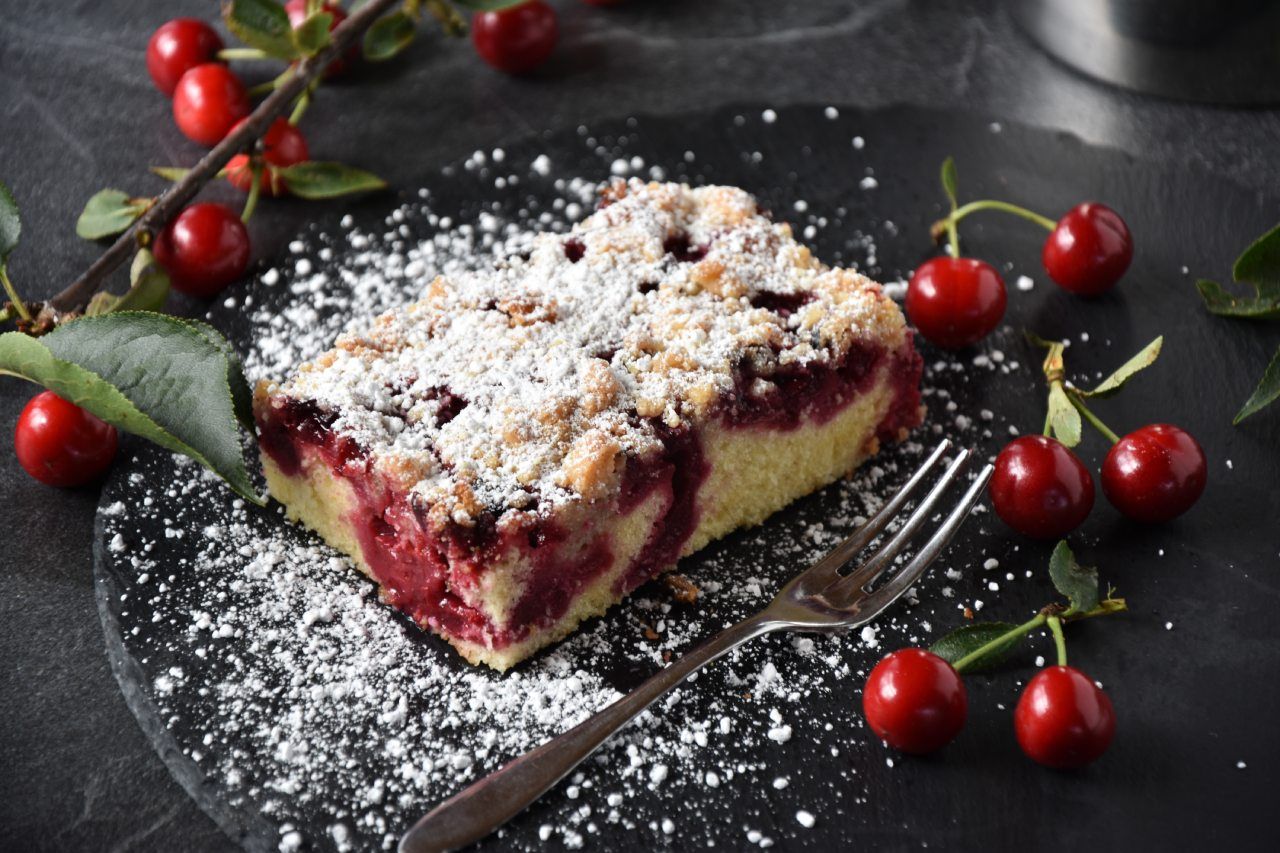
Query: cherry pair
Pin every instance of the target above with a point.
(956, 301)
(1041, 488)
(916, 701)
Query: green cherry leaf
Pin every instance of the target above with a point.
(1267, 392)
(159, 377)
(1064, 419)
(148, 284)
(312, 35)
(263, 24)
(315, 180)
(10, 223)
(388, 36)
(1078, 583)
(949, 180)
(101, 303)
(1262, 306)
(1260, 263)
(1113, 383)
(108, 213)
(969, 638)
(1259, 267)
(147, 292)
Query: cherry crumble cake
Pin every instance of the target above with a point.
(524, 446)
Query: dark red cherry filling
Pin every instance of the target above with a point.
(450, 404)
(782, 304)
(679, 246)
(428, 570)
(815, 392)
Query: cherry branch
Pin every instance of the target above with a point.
(76, 296)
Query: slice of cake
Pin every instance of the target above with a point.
(526, 445)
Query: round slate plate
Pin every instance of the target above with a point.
(298, 711)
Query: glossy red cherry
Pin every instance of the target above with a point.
(208, 100)
(1040, 488)
(517, 39)
(1154, 473)
(204, 248)
(297, 12)
(282, 145)
(61, 444)
(1063, 719)
(1088, 250)
(178, 46)
(955, 302)
(915, 701)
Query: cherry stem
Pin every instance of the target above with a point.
(76, 296)
(993, 204)
(1091, 417)
(1060, 641)
(1012, 634)
(300, 108)
(255, 190)
(12, 293)
(1106, 607)
(229, 53)
(270, 85)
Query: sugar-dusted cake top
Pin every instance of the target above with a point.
(530, 383)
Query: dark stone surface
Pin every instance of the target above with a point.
(79, 113)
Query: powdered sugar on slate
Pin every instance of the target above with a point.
(298, 696)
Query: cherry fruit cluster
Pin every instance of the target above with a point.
(915, 699)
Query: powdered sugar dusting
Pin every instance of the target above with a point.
(299, 699)
(522, 384)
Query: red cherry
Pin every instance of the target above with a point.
(1088, 250)
(1154, 473)
(177, 47)
(61, 444)
(915, 701)
(209, 99)
(297, 12)
(1040, 488)
(282, 145)
(517, 39)
(955, 302)
(204, 248)
(1063, 720)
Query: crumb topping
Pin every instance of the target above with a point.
(530, 384)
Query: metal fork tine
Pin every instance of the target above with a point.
(881, 559)
(903, 580)
(827, 569)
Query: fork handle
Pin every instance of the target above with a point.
(486, 804)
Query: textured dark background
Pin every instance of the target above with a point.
(77, 112)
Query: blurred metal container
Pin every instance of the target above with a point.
(1219, 51)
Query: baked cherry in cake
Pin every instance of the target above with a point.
(527, 444)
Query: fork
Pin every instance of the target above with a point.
(821, 599)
